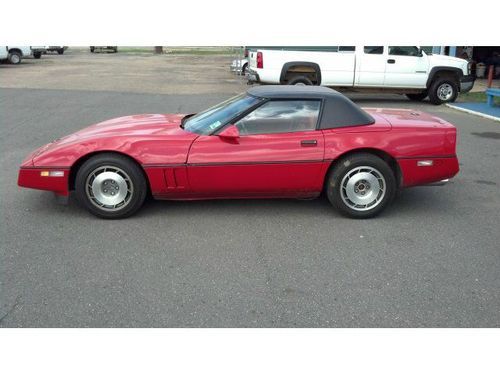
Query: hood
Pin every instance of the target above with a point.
(147, 124)
(448, 61)
(117, 134)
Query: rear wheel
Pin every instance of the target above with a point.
(361, 185)
(300, 81)
(37, 55)
(417, 97)
(443, 90)
(111, 186)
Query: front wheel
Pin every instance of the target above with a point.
(111, 186)
(443, 90)
(361, 185)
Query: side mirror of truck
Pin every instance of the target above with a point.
(420, 52)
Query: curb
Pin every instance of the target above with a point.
(494, 118)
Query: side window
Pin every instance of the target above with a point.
(403, 51)
(347, 49)
(374, 50)
(281, 116)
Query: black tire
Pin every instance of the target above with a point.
(417, 97)
(37, 55)
(60, 51)
(382, 174)
(435, 94)
(15, 57)
(244, 69)
(300, 80)
(135, 192)
(92, 49)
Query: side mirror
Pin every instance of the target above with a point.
(230, 133)
(420, 52)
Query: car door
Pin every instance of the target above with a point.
(370, 66)
(406, 67)
(278, 152)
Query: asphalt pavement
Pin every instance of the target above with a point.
(431, 260)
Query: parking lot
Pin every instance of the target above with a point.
(431, 260)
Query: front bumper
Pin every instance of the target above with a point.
(467, 83)
(51, 179)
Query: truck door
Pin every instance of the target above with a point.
(370, 66)
(406, 67)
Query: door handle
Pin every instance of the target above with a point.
(391, 61)
(309, 143)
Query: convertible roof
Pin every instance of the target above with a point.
(338, 110)
(275, 91)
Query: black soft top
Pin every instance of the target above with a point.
(338, 111)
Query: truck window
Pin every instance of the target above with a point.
(403, 51)
(374, 50)
(346, 49)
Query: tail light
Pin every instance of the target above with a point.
(260, 60)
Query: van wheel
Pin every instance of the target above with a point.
(361, 185)
(443, 90)
(14, 57)
(417, 97)
(300, 81)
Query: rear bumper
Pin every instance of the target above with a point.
(428, 170)
(467, 83)
(253, 77)
(51, 179)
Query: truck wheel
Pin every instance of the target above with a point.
(417, 97)
(300, 81)
(37, 55)
(60, 51)
(14, 57)
(443, 90)
(361, 185)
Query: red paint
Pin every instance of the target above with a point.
(184, 165)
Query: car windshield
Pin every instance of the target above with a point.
(209, 120)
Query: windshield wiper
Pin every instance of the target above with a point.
(185, 118)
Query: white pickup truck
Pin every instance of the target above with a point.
(401, 69)
(14, 54)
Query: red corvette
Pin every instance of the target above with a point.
(270, 142)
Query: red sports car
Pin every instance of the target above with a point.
(269, 142)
